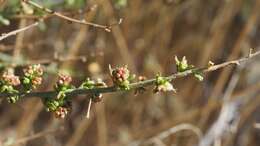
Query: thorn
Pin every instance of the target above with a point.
(120, 21)
(108, 29)
(250, 52)
(89, 107)
(110, 69)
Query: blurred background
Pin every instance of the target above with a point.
(221, 110)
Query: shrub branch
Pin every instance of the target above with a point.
(84, 22)
(135, 85)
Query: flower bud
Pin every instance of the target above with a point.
(163, 85)
(61, 112)
(121, 77)
(32, 77)
(10, 79)
(64, 79)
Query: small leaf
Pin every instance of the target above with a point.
(26, 80)
(182, 65)
(88, 84)
(120, 3)
(199, 76)
(27, 9)
(4, 21)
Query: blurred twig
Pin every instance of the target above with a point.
(226, 122)
(229, 115)
(84, 22)
(6, 35)
(34, 136)
(159, 137)
(236, 50)
(118, 35)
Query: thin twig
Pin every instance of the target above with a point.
(37, 135)
(84, 22)
(227, 122)
(229, 115)
(159, 137)
(6, 35)
(75, 92)
(176, 129)
(232, 84)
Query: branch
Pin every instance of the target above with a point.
(51, 12)
(159, 137)
(6, 35)
(34, 136)
(84, 22)
(75, 92)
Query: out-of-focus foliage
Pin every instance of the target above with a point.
(75, 3)
(13, 7)
(120, 3)
(8, 9)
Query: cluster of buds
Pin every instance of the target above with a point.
(64, 80)
(61, 112)
(51, 104)
(162, 84)
(90, 84)
(184, 66)
(63, 84)
(8, 78)
(121, 77)
(60, 105)
(32, 77)
(8, 82)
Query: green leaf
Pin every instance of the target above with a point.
(12, 99)
(26, 80)
(199, 76)
(120, 3)
(4, 21)
(182, 65)
(88, 84)
(27, 9)
(75, 3)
